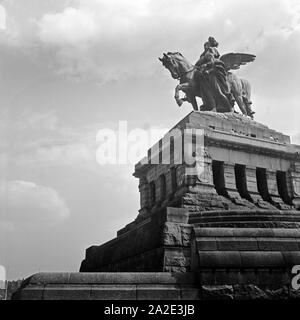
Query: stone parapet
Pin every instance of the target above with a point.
(156, 286)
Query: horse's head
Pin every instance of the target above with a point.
(172, 61)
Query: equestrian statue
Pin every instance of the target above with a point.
(211, 80)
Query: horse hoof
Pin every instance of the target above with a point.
(179, 103)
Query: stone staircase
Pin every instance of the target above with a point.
(245, 247)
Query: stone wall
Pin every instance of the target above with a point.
(141, 286)
(109, 286)
(232, 217)
(160, 243)
(244, 164)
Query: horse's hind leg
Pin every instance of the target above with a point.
(249, 110)
(246, 93)
(236, 90)
(240, 102)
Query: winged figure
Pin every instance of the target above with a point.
(233, 61)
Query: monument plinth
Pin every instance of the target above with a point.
(229, 218)
(236, 208)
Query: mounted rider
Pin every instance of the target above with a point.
(211, 77)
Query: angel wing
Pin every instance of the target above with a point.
(233, 61)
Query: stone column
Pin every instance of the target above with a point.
(295, 179)
(273, 190)
(253, 190)
(169, 190)
(230, 186)
(230, 182)
(144, 196)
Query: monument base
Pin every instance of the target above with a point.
(140, 286)
(211, 255)
(231, 229)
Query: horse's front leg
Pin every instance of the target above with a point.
(194, 103)
(181, 87)
(179, 101)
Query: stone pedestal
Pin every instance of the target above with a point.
(212, 181)
(225, 206)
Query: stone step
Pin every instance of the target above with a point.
(275, 278)
(246, 232)
(248, 259)
(242, 218)
(249, 224)
(242, 248)
(247, 244)
(240, 212)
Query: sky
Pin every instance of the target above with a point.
(69, 68)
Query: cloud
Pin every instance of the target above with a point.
(296, 138)
(72, 26)
(92, 39)
(5, 227)
(39, 139)
(2, 18)
(103, 40)
(76, 154)
(24, 202)
(74, 150)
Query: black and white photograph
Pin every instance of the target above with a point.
(150, 153)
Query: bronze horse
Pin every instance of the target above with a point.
(184, 71)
